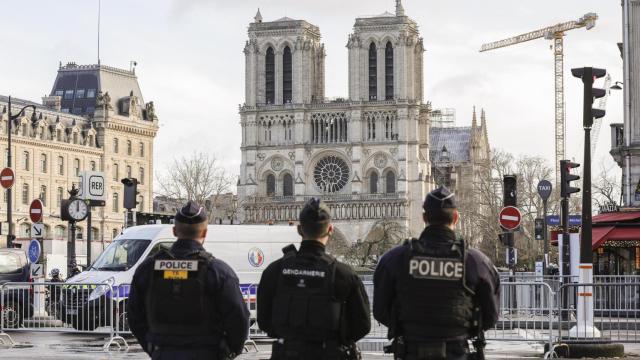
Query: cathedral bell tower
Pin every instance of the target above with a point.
(284, 62)
(385, 58)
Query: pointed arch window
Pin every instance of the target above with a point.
(391, 182)
(373, 183)
(271, 185)
(270, 76)
(287, 83)
(287, 185)
(388, 71)
(373, 72)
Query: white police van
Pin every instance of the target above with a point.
(248, 249)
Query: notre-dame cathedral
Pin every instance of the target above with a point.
(366, 155)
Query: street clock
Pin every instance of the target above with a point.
(78, 209)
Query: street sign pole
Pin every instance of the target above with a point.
(544, 190)
(89, 236)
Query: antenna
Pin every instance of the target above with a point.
(99, 1)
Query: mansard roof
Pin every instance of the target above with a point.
(456, 140)
(48, 114)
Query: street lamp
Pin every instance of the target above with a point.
(12, 117)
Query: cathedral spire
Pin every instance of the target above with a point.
(399, 8)
(258, 17)
(474, 121)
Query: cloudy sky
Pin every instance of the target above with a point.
(190, 61)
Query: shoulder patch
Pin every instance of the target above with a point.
(421, 267)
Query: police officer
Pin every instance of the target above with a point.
(315, 306)
(184, 303)
(428, 290)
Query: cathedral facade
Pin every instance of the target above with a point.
(366, 155)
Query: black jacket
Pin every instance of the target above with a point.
(348, 288)
(230, 309)
(481, 277)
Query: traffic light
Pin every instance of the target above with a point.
(588, 75)
(566, 178)
(130, 199)
(510, 188)
(539, 228)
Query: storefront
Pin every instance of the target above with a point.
(616, 243)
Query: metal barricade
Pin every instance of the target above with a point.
(615, 314)
(59, 307)
(526, 313)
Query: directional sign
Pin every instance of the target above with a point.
(7, 178)
(35, 211)
(37, 230)
(510, 217)
(34, 251)
(574, 220)
(37, 270)
(544, 189)
(92, 186)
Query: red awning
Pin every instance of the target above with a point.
(616, 217)
(611, 233)
(598, 235)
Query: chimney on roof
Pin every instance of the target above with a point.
(52, 102)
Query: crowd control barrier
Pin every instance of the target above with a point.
(60, 307)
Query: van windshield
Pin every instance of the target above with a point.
(10, 263)
(121, 255)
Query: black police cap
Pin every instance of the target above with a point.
(191, 213)
(440, 198)
(315, 211)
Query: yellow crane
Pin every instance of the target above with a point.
(554, 33)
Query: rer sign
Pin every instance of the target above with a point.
(92, 186)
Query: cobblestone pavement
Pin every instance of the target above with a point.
(45, 346)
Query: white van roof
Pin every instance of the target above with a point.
(240, 233)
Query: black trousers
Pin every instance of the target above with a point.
(300, 350)
(437, 351)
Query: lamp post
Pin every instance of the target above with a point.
(9, 192)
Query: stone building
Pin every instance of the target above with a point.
(460, 158)
(94, 119)
(367, 155)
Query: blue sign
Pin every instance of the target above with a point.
(34, 251)
(574, 220)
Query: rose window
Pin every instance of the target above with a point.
(331, 174)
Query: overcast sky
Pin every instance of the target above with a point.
(190, 61)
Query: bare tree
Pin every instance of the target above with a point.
(198, 177)
(606, 187)
(384, 235)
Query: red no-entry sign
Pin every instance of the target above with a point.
(7, 178)
(510, 217)
(35, 211)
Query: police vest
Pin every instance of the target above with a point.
(433, 302)
(178, 302)
(305, 307)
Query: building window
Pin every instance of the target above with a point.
(59, 93)
(91, 93)
(141, 149)
(115, 146)
(287, 83)
(43, 163)
(92, 165)
(115, 172)
(270, 76)
(373, 72)
(76, 166)
(68, 95)
(75, 137)
(391, 182)
(115, 202)
(388, 71)
(59, 195)
(114, 233)
(141, 204)
(128, 171)
(271, 185)
(287, 185)
(77, 110)
(373, 183)
(60, 232)
(25, 160)
(141, 179)
(129, 147)
(60, 165)
(43, 195)
(80, 94)
(25, 194)
(95, 233)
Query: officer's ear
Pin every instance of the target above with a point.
(456, 217)
(204, 232)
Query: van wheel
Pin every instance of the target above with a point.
(10, 315)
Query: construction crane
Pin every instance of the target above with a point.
(555, 33)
